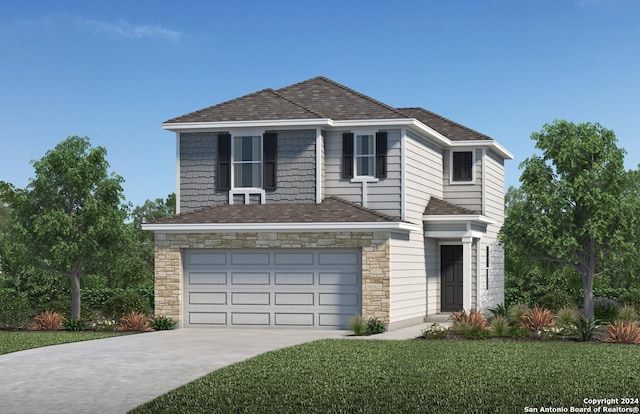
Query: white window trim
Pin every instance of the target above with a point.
(359, 178)
(247, 133)
(473, 166)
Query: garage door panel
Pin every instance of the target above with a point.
(250, 318)
(294, 299)
(318, 288)
(250, 298)
(240, 259)
(334, 320)
(250, 278)
(207, 318)
(207, 259)
(297, 259)
(338, 299)
(294, 279)
(205, 278)
(294, 319)
(207, 298)
(341, 279)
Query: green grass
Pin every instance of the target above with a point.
(412, 376)
(13, 341)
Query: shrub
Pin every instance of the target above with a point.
(516, 312)
(75, 325)
(124, 303)
(474, 318)
(104, 325)
(15, 312)
(162, 323)
(537, 319)
(623, 332)
(500, 325)
(627, 313)
(555, 300)
(357, 325)
(631, 298)
(518, 332)
(478, 333)
(63, 307)
(606, 309)
(586, 328)
(435, 331)
(47, 321)
(134, 322)
(499, 310)
(376, 326)
(565, 318)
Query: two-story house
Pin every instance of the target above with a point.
(302, 206)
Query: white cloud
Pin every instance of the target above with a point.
(131, 31)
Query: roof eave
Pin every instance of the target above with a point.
(458, 218)
(281, 227)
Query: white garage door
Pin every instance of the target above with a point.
(319, 288)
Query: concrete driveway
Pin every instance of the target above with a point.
(115, 375)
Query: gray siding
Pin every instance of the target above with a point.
(408, 282)
(383, 196)
(198, 157)
(198, 176)
(423, 175)
(432, 258)
(467, 195)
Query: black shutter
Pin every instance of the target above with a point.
(224, 162)
(347, 155)
(381, 155)
(269, 151)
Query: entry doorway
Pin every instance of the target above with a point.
(451, 273)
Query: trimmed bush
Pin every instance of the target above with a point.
(124, 303)
(63, 307)
(631, 298)
(15, 312)
(555, 300)
(606, 309)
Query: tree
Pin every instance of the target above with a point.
(572, 209)
(70, 217)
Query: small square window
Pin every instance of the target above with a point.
(462, 166)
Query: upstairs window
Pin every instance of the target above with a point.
(462, 166)
(247, 162)
(365, 154)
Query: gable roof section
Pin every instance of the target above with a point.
(438, 207)
(331, 210)
(450, 129)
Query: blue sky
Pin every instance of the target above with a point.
(114, 71)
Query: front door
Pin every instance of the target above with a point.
(451, 265)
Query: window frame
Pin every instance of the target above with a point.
(357, 156)
(234, 162)
(454, 181)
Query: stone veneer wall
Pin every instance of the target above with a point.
(375, 262)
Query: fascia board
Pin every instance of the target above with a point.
(277, 123)
(279, 227)
(496, 147)
(458, 218)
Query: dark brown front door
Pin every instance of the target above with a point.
(451, 278)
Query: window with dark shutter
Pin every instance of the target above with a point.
(347, 155)
(224, 162)
(381, 155)
(270, 149)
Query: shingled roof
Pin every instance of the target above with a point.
(438, 207)
(319, 98)
(331, 210)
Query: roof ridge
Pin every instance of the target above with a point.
(346, 88)
(368, 210)
(221, 103)
(298, 104)
(447, 119)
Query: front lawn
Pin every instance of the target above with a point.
(13, 341)
(412, 376)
